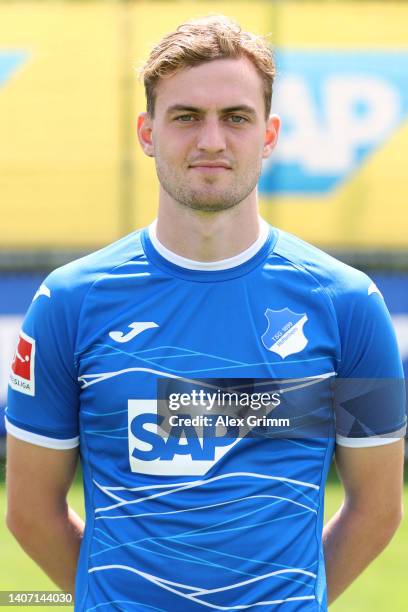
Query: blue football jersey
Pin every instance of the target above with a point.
(183, 523)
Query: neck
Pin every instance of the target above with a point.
(208, 236)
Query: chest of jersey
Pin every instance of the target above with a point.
(138, 329)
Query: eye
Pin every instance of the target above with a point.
(187, 118)
(237, 119)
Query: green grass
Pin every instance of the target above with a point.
(382, 587)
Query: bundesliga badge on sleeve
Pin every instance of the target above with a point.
(22, 368)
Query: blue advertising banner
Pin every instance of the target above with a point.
(9, 62)
(337, 109)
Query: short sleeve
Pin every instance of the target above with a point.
(43, 397)
(370, 399)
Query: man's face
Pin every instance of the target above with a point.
(209, 134)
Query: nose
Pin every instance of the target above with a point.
(211, 138)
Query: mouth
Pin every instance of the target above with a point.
(209, 169)
(209, 166)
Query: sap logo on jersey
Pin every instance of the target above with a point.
(337, 109)
(22, 368)
(172, 455)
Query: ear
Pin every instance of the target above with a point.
(145, 133)
(271, 135)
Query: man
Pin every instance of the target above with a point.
(183, 522)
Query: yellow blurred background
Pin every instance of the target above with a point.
(71, 173)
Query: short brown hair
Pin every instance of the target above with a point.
(204, 40)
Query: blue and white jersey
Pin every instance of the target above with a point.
(187, 524)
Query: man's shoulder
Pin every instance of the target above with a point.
(73, 279)
(334, 276)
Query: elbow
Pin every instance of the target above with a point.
(384, 526)
(13, 523)
(11, 520)
(20, 523)
(378, 521)
(395, 518)
(27, 522)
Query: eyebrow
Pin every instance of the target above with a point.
(194, 109)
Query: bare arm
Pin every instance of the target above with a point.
(38, 480)
(370, 514)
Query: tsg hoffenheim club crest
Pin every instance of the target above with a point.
(284, 335)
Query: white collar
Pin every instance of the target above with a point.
(222, 264)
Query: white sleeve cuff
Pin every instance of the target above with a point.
(370, 441)
(33, 438)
